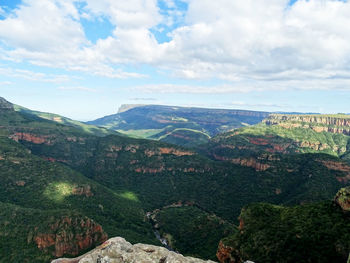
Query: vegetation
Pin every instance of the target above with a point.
(53, 167)
(90, 129)
(18, 227)
(308, 233)
(193, 231)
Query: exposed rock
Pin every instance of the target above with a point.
(165, 150)
(342, 199)
(249, 162)
(224, 253)
(82, 190)
(36, 139)
(319, 123)
(20, 183)
(118, 250)
(70, 236)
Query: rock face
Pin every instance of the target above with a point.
(224, 253)
(70, 236)
(118, 250)
(319, 123)
(342, 199)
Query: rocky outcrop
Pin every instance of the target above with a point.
(82, 190)
(340, 120)
(118, 250)
(33, 138)
(342, 199)
(167, 150)
(248, 162)
(69, 236)
(319, 123)
(224, 253)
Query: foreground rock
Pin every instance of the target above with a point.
(118, 250)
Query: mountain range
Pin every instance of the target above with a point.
(67, 186)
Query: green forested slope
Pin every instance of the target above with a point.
(114, 179)
(317, 232)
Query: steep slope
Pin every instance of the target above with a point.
(317, 232)
(169, 123)
(260, 146)
(129, 176)
(159, 174)
(39, 194)
(91, 129)
(189, 229)
(336, 123)
(35, 235)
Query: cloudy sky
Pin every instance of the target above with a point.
(84, 58)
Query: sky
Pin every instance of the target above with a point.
(84, 58)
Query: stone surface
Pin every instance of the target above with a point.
(118, 250)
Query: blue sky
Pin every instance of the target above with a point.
(85, 58)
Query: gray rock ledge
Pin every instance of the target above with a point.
(118, 250)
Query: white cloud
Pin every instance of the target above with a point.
(257, 38)
(127, 14)
(33, 76)
(43, 26)
(253, 45)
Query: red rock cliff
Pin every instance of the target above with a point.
(70, 236)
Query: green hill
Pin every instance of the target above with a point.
(317, 232)
(91, 129)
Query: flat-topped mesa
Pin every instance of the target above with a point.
(119, 250)
(5, 105)
(126, 107)
(337, 123)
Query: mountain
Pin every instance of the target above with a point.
(177, 125)
(91, 129)
(113, 182)
(318, 232)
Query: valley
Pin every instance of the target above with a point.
(78, 184)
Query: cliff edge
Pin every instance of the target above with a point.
(118, 250)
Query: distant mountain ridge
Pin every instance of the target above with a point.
(186, 126)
